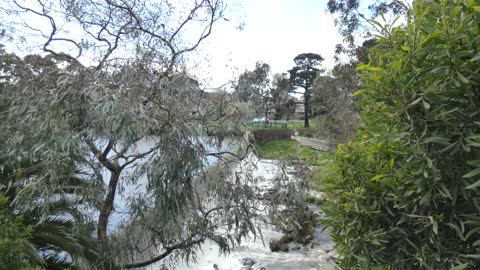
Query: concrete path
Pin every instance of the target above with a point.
(320, 145)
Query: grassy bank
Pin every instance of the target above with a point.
(292, 150)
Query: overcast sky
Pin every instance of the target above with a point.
(275, 31)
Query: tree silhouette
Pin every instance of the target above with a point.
(303, 75)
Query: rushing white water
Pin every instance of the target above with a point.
(318, 254)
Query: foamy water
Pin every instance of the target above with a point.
(318, 254)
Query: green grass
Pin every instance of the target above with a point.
(320, 174)
(292, 150)
(282, 149)
(313, 124)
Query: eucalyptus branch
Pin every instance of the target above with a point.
(103, 159)
(168, 251)
(132, 158)
(52, 37)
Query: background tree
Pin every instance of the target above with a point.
(254, 87)
(286, 109)
(266, 94)
(333, 96)
(124, 121)
(303, 75)
(280, 95)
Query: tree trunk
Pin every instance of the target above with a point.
(266, 117)
(305, 104)
(104, 216)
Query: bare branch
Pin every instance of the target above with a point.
(168, 251)
(136, 157)
(52, 37)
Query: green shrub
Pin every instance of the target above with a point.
(405, 194)
(15, 249)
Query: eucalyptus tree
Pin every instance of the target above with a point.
(303, 75)
(354, 21)
(111, 96)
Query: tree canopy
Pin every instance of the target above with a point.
(353, 19)
(113, 108)
(264, 91)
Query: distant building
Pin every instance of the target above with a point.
(299, 109)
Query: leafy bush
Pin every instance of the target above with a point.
(405, 194)
(15, 250)
(298, 223)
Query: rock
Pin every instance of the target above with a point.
(248, 261)
(280, 244)
(215, 267)
(309, 238)
(296, 248)
(331, 259)
(276, 248)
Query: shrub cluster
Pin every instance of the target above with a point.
(406, 191)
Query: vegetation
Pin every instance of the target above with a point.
(303, 75)
(405, 192)
(114, 156)
(353, 19)
(31, 240)
(263, 93)
(298, 224)
(15, 248)
(94, 133)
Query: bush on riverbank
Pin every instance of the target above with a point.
(298, 224)
(406, 191)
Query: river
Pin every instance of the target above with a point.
(317, 255)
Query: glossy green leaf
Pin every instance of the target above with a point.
(472, 173)
(460, 266)
(474, 185)
(434, 225)
(369, 68)
(358, 92)
(438, 140)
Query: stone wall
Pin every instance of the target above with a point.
(306, 132)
